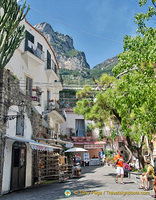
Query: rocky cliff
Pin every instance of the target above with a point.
(67, 56)
(74, 67)
(104, 67)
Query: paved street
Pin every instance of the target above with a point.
(97, 182)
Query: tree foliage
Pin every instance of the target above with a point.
(11, 32)
(130, 97)
(141, 18)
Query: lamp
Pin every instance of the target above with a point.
(21, 108)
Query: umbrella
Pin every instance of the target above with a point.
(76, 149)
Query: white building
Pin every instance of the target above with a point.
(35, 66)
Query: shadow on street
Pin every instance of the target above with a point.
(54, 191)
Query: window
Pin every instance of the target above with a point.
(48, 98)
(38, 94)
(28, 86)
(29, 42)
(39, 51)
(48, 60)
(39, 46)
(55, 68)
(80, 127)
(29, 37)
(20, 125)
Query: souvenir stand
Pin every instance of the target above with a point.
(48, 165)
(63, 168)
(76, 168)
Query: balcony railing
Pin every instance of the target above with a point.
(29, 46)
(78, 133)
(81, 139)
(53, 105)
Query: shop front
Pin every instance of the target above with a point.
(93, 147)
(18, 162)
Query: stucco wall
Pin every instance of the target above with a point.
(9, 101)
(70, 122)
(7, 166)
(6, 180)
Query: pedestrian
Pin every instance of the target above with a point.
(126, 169)
(119, 166)
(148, 175)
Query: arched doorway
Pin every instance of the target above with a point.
(18, 172)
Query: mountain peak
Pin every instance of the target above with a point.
(44, 27)
(67, 56)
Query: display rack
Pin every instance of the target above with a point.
(70, 171)
(62, 169)
(48, 165)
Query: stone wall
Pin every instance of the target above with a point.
(11, 94)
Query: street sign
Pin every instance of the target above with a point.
(69, 145)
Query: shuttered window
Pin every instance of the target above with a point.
(48, 60)
(48, 98)
(29, 37)
(39, 46)
(28, 86)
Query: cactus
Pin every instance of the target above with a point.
(11, 31)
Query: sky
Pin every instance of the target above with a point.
(96, 26)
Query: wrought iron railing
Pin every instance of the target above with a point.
(29, 46)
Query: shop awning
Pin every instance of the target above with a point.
(33, 144)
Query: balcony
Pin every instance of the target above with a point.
(81, 139)
(33, 54)
(53, 105)
(51, 73)
(53, 111)
(36, 98)
(58, 85)
(51, 69)
(56, 116)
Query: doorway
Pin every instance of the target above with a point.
(18, 166)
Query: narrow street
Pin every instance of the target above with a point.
(96, 182)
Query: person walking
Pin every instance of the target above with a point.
(119, 166)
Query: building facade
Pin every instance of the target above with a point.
(30, 116)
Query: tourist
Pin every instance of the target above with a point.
(126, 169)
(119, 166)
(145, 176)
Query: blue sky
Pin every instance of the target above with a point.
(96, 26)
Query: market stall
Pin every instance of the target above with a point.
(76, 160)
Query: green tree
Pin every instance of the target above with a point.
(11, 32)
(130, 97)
(136, 71)
(140, 18)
